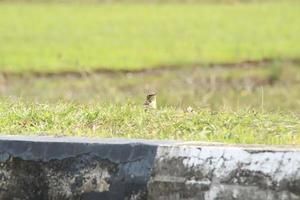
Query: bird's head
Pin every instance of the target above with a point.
(151, 96)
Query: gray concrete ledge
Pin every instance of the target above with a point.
(38, 168)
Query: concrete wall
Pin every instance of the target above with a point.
(76, 168)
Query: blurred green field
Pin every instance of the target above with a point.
(187, 45)
(67, 37)
(145, 1)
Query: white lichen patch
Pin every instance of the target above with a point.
(227, 172)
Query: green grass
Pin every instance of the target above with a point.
(59, 37)
(131, 121)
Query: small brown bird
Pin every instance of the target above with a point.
(150, 102)
(190, 109)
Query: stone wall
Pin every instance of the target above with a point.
(77, 168)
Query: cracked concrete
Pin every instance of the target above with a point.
(38, 168)
(212, 172)
(42, 168)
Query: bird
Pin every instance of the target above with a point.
(190, 109)
(150, 102)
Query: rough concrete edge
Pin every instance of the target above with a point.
(85, 140)
(45, 148)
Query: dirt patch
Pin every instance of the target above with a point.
(162, 68)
